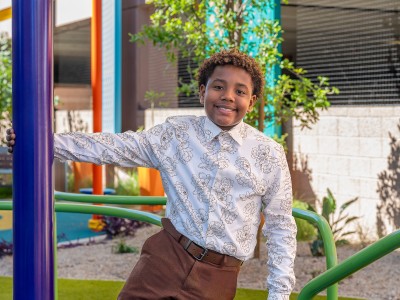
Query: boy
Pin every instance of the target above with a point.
(218, 174)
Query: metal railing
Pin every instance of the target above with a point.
(327, 280)
(319, 221)
(351, 265)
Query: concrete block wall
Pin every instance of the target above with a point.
(346, 151)
(159, 115)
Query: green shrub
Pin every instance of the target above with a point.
(5, 192)
(305, 230)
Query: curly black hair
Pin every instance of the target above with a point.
(238, 59)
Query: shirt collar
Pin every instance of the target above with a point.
(234, 132)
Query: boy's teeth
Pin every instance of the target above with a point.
(223, 108)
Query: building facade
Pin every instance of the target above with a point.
(353, 149)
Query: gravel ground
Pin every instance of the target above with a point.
(97, 260)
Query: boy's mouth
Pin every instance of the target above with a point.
(224, 108)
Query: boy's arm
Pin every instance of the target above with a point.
(280, 230)
(126, 149)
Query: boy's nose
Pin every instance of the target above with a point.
(228, 96)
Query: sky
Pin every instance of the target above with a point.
(67, 11)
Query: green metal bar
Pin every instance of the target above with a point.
(329, 243)
(110, 199)
(99, 210)
(5, 205)
(352, 264)
(55, 257)
(109, 211)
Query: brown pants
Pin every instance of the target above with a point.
(166, 271)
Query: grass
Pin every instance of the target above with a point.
(69, 289)
(73, 289)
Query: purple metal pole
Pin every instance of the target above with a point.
(32, 26)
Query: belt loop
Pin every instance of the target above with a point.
(186, 246)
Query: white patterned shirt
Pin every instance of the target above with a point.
(217, 183)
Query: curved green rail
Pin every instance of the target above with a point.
(110, 199)
(99, 210)
(109, 211)
(350, 265)
(329, 244)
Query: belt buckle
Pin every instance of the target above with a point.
(199, 258)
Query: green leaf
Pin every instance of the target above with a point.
(328, 205)
(347, 204)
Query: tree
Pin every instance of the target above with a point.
(184, 27)
(5, 81)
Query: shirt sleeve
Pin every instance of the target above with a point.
(127, 149)
(280, 230)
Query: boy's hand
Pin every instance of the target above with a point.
(10, 137)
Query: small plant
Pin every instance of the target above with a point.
(6, 248)
(122, 247)
(338, 224)
(115, 226)
(305, 230)
(152, 97)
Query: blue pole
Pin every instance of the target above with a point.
(273, 13)
(32, 24)
(118, 64)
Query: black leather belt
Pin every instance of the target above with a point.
(198, 252)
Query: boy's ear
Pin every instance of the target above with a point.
(253, 101)
(202, 91)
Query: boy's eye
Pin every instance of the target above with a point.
(241, 92)
(217, 87)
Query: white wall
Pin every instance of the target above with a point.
(346, 151)
(161, 114)
(83, 117)
(69, 11)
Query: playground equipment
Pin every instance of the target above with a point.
(33, 205)
(327, 280)
(150, 185)
(32, 168)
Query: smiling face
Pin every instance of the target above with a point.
(228, 96)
